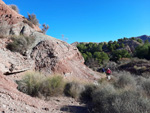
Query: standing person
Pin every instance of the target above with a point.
(103, 70)
(108, 73)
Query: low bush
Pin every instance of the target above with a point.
(45, 28)
(139, 80)
(102, 98)
(73, 89)
(31, 83)
(108, 101)
(125, 81)
(52, 86)
(36, 84)
(20, 44)
(146, 87)
(86, 95)
(32, 18)
(130, 102)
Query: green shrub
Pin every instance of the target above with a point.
(36, 84)
(52, 86)
(31, 83)
(73, 89)
(118, 54)
(143, 51)
(139, 40)
(14, 7)
(20, 44)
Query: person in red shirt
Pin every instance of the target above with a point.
(108, 73)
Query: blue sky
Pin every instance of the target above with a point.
(90, 20)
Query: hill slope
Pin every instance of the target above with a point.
(144, 37)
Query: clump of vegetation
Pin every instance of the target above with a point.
(109, 99)
(143, 51)
(118, 54)
(93, 52)
(86, 95)
(36, 84)
(73, 89)
(20, 44)
(146, 87)
(31, 83)
(125, 80)
(101, 98)
(52, 86)
(14, 7)
(45, 28)
(32, 18)
(124, 95)
(96, 55)
(139, 40)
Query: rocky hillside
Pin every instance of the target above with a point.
(144, 37)
(100, 55)
(46, 54)
(129, 44)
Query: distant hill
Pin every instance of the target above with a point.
(144, 37)
(97, 53)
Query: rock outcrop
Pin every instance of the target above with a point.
(130, 45)
(13, 62)
(55, 56)
(47, 54)
(13, 23)
(144, 37)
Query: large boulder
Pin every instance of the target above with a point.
(55, 56)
